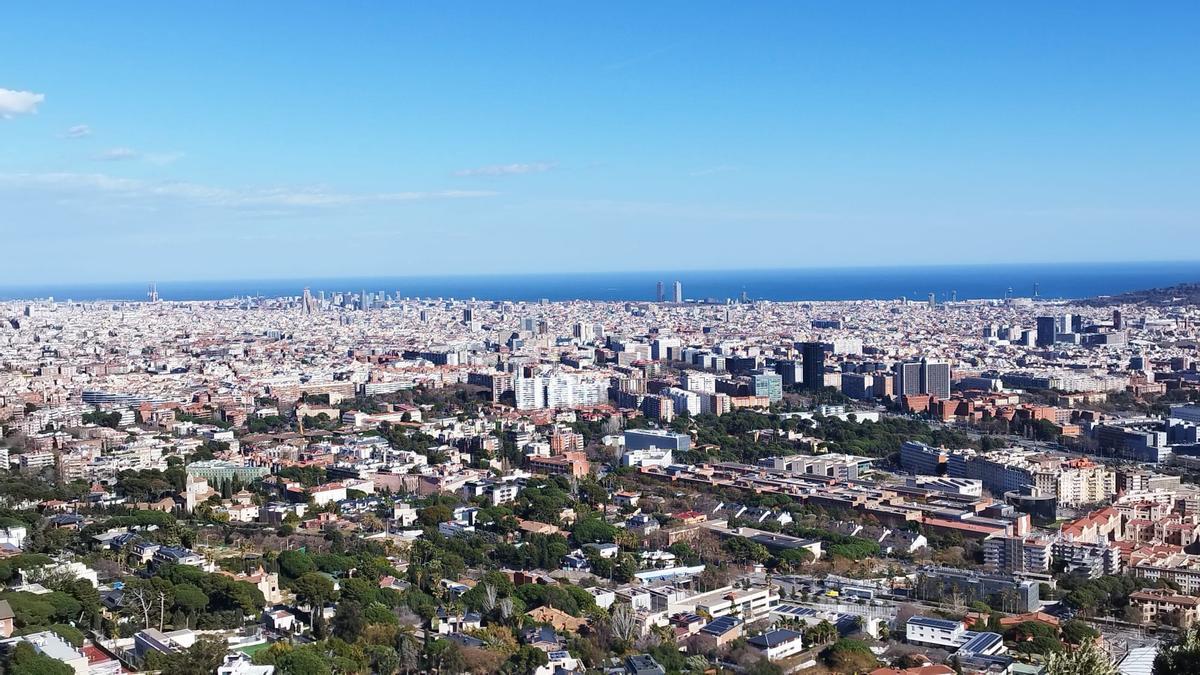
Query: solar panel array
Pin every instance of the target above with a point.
(721, 625)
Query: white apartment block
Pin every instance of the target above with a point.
(938, 632)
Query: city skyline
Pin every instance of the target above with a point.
(343, 141)
(600, 339)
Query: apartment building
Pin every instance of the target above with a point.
(1017, 554)
(1160, 605)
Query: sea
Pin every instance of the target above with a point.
(946, 282)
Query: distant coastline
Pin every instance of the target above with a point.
(964, 282)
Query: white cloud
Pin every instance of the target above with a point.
(506, 169)
(208, 195)
(117, 155)
(120, 154)
(78, 131)
(14, 102)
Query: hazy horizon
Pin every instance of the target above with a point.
(980, 281)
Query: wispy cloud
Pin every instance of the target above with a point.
(117, 155)
(78, 131)
(209, 195)
(507, 169)
(13, 102)
(122, 154)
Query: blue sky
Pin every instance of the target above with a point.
(230, 139)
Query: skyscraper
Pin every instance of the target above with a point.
(790, 370)
(1046, 330)
(908, 379)
(678, 291)
(769, 385)
(923, 377)
(813, 354)
(935, 379)
(307, 301)
(659, 295)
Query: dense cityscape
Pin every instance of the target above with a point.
(580, 338)
(351, 482)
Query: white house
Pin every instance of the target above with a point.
(939, 632)
(778, 644)
(240, 664)
(13, 535)
(282, 620)
(329, 492)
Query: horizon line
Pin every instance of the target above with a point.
(665, 272)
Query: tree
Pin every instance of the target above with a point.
(593, 530)
(314, 590)
(821, 633)
(527, 660)
(25, 660)
(295, 564)
(190, 599)
(1087, 660)
(1076, 632)
(849, 656)
(622, 622)
(302, 662)
(202, 658)
(383, 659)
(348, 623)
(433, 515)
(1179, 657)
(744, 550)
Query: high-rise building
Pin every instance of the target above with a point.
(678, 291)
(935, 379)
(790, 370)
(584, 332)
(307, 301)
(908, 379)
(661, 408)
(659, 294)
(923, 377)
(685, 401)
(665, 349)
(769, 385)
(858, 385)
(698, 381)
(1116, 319)
(1047, 329)
(813, 354)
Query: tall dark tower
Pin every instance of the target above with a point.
(1118, 322)
(659, 295)
(813, 354)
